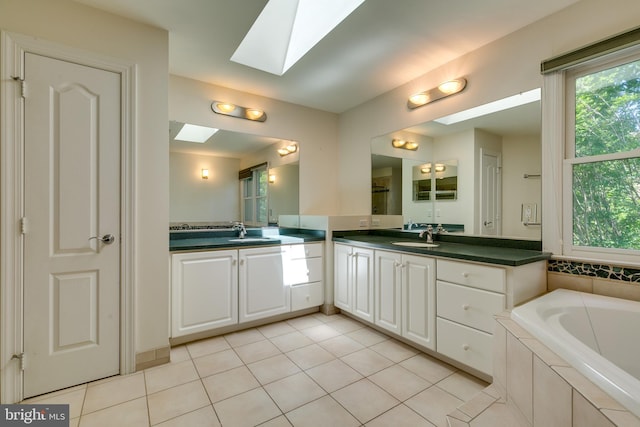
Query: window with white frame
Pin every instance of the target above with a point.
(601, 169)
(254, 197)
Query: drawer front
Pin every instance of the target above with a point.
(469, 306)
(303, 271)
(307, 295)
(306, 250)
(478, 276)
(466, 345)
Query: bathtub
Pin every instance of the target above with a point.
(599, 336)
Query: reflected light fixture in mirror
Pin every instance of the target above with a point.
(289, 149)
(228, 109)
(405, 145)
(272, 178)
(443, 90)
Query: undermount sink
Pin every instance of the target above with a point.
(416, 244)
(251, 239)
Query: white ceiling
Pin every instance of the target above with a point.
(379, 47)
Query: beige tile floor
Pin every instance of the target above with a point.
(314, 370)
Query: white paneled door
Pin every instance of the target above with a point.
(72, 224)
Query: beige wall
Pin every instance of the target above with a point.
(193, 199)
(520, 155)
(71, 24)
(316, 131)
(502, 68)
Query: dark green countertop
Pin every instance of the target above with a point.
(224, 239)
(488, 250)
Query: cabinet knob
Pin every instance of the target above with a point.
(465, 306)
(307, 297)
(306, 252)
(241, 262)
(465, 347)
(234, 262)
(465, 274)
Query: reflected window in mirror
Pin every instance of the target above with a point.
(254, 197)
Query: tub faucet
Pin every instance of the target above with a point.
(428, 234)
(242, 231)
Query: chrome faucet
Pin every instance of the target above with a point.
(242, 231)
(428, 234)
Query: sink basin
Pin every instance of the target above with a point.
(416, 244)
(252, 239)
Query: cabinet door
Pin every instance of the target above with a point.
(388, 294)
(204, 291)
(262, 290)
(342, 255)
(362, 265)
(419, 300)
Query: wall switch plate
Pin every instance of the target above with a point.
(375, 223)
(529, 213)
(364, 223)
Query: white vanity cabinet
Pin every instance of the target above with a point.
(204, 291)
(353, 281)
(469, 295)
(405, 296)
(261, 287)
(304, 272)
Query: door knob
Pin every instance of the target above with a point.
(107, 239)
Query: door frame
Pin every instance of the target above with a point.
(13, 48)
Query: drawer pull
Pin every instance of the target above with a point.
(465, 347)
(465, 306)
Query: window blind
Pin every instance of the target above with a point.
(246, 173)
(595, 50)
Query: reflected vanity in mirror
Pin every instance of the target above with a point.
(270, 181)
(474, 171)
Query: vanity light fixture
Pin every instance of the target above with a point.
(205, 173)
(405, 145)
(440, 168)
(272, 178)
(443, 90)
(228, 109)
(426, 168)
(289, 149)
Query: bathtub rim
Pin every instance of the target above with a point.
(617, 383)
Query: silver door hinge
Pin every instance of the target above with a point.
(23, 86)
(23, 360)
(24, 225)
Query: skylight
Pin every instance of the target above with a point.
(492, 107)
(286, 30)
(195, 133)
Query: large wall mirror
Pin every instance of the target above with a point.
(477, 172)
(221, 197)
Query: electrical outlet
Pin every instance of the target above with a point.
(375, 223)
(364, 223)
